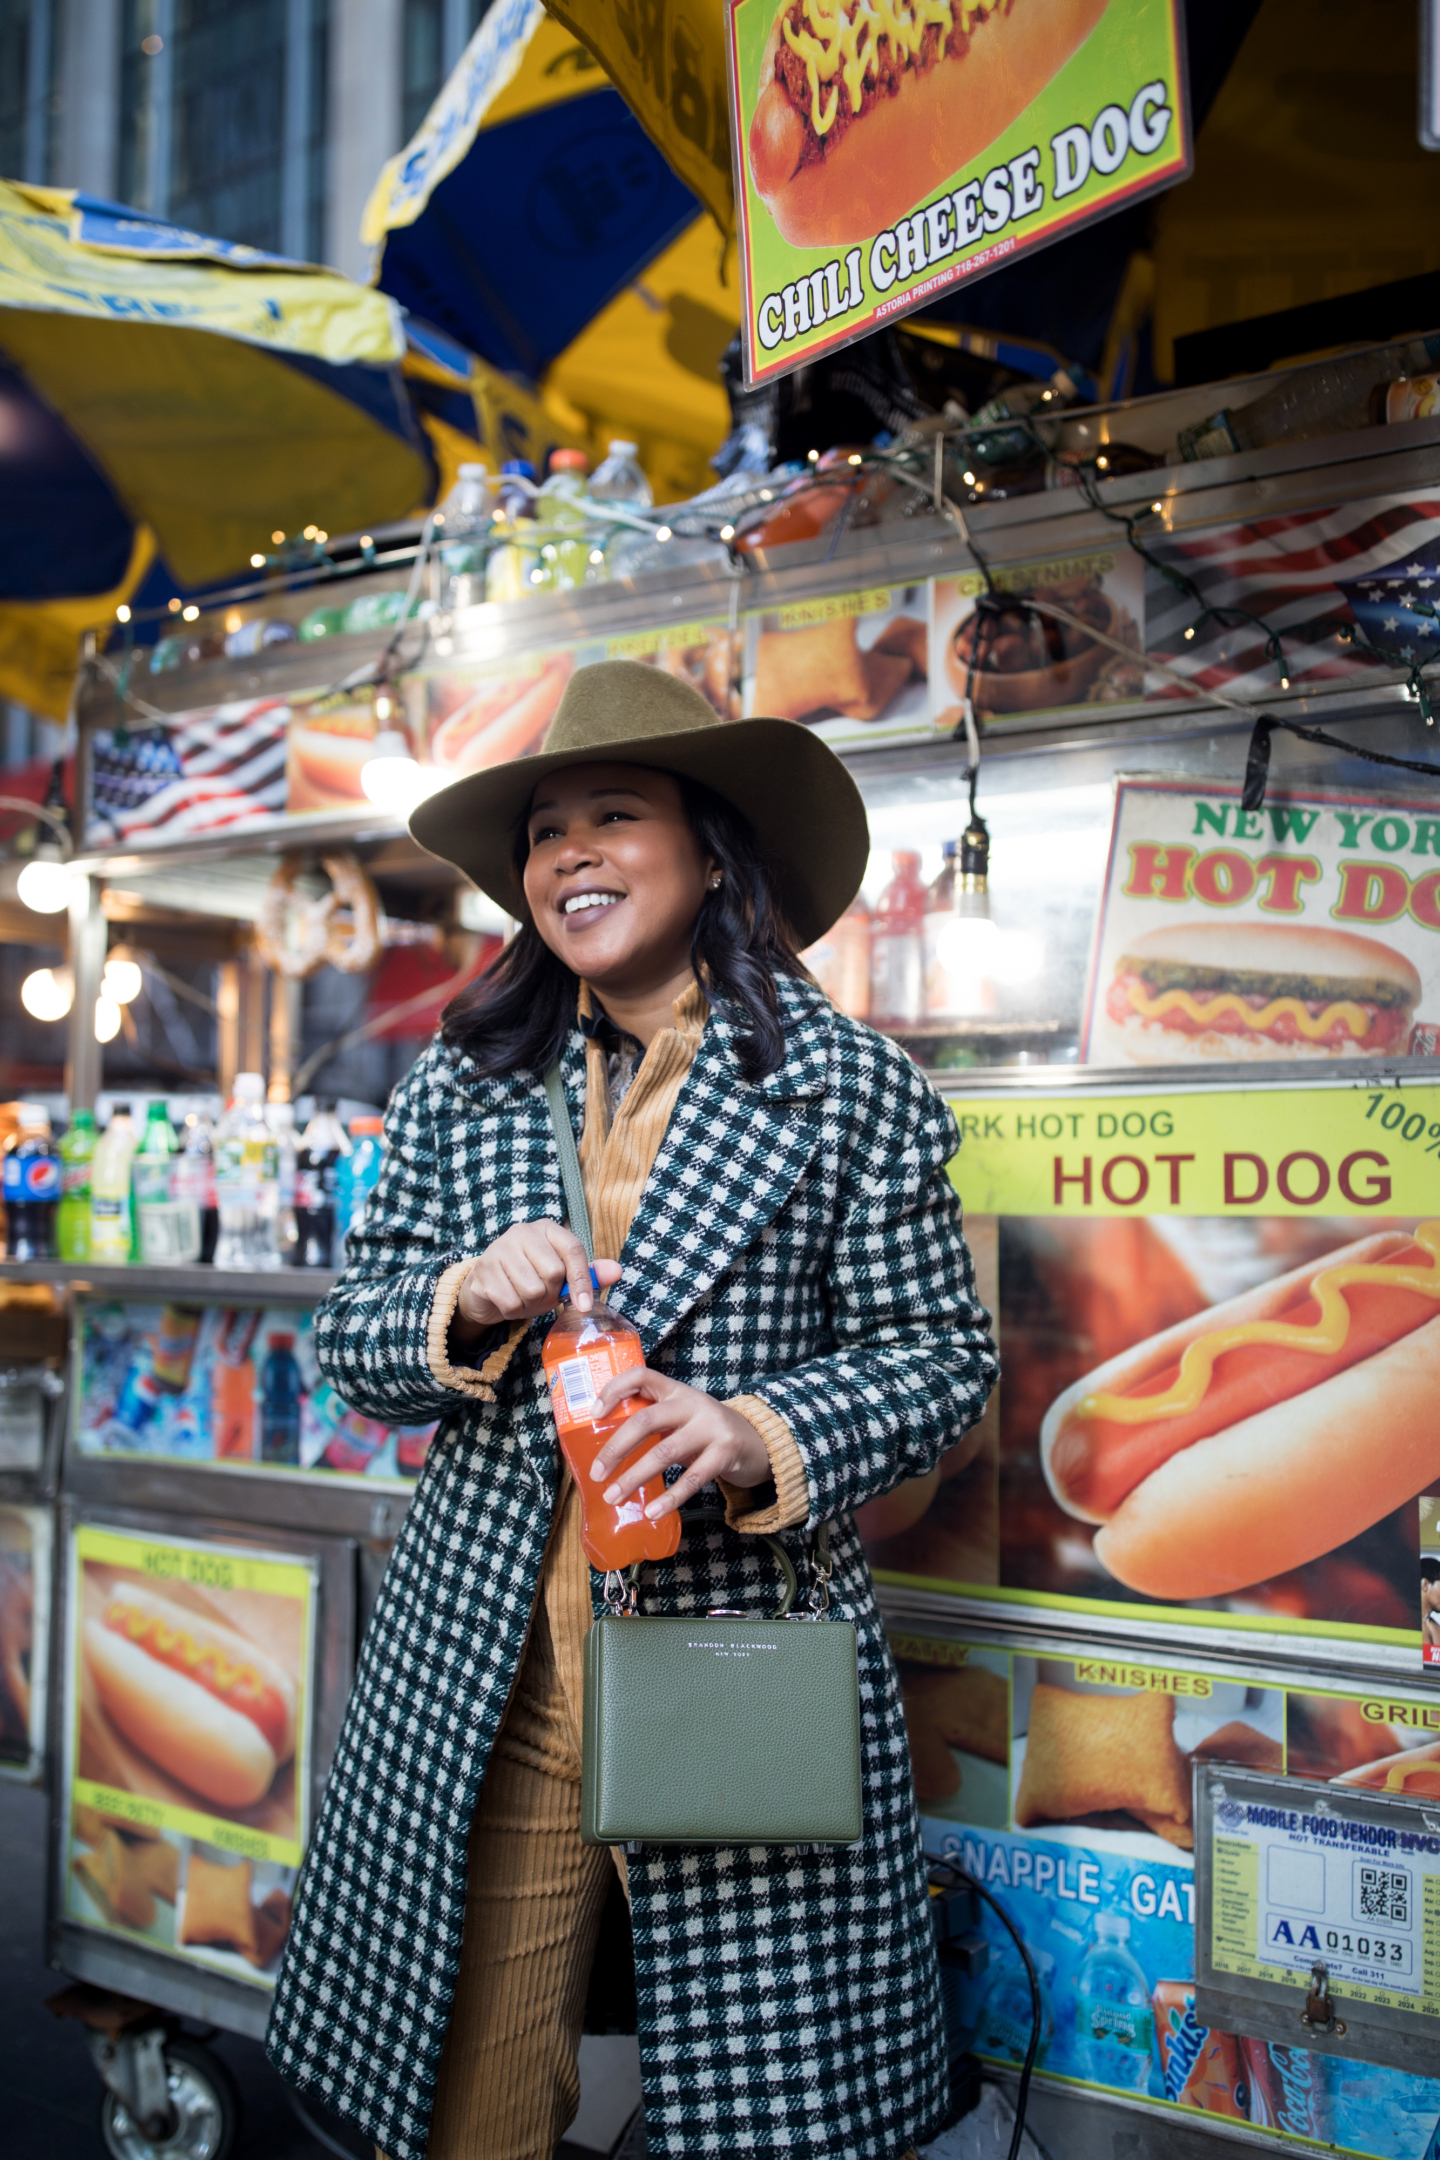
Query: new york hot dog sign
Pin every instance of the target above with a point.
(885, 150)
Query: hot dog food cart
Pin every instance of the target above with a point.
(1160, 1615)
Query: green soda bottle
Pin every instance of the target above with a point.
(72, 1218)
(159, 1228)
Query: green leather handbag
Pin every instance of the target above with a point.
(722, 1728)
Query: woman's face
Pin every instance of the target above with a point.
(614, 876)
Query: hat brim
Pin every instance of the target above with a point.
(805, 809)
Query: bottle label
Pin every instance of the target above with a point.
(31, 1177)
(75, 1180)
(576, 1382)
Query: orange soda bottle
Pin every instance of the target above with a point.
(581, 1352)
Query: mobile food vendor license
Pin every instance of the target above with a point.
(1290, 1888)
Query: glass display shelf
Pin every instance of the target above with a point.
(205, 1285)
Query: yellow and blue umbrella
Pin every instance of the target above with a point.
(210, 392)
(529, 197)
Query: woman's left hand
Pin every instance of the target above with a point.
(690, 1428)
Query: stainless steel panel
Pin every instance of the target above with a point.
(194, 1284)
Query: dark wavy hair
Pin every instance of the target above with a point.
(520, 1010)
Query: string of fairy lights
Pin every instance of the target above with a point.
(917, 462)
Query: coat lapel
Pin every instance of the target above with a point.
(732, 1156)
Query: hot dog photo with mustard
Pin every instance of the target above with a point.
(1206, 1291)
(188, 1755)
(884, 154)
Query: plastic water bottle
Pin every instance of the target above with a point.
(280, 1392)
(618, 478)
(72, 1219)
(323, 1148)
(560, 509)
(247, 1180)
(1005, 2027)
(112, 1227)
(356, 1175)
(31, 1186)
(507, 574)
(468, 511)
(280, 1117)
(1114, 2021)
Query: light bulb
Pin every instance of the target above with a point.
(276, 538)
(107, 1018)
(190, 614)
(967, 943)
(662, 532)
(597, 555)
(257, 562)
(44, 885)
(1022, 956)
(727, 532)
(48, 994)
(122, 981)
(122, 613)
(391, 778)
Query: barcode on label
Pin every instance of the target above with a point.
(581, 1393)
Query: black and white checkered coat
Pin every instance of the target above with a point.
(798, 1239)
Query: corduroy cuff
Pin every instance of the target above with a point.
(791, 1504)
(476, 1381)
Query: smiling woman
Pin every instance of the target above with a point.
(772, 1218)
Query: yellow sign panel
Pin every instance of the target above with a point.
(1354, 1150)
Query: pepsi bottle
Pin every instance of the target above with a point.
(31, 1181)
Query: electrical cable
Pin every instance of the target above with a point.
(962, 1876)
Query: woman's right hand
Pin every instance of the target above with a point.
(521, 1276)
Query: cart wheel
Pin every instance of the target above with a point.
(205, 2103)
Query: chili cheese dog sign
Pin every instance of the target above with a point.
(886, 150)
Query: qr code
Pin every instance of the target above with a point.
(1382, 1894)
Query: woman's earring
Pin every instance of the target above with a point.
(717, 881)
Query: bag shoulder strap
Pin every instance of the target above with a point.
(570, 1177)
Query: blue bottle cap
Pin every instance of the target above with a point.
(594, 1284)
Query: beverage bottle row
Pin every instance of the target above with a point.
(908, 961)
(245, 1195)
(514, 536)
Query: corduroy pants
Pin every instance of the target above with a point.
(509, 2083)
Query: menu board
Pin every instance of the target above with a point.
(189, 1668)
(25, 1547)
(1269, 1483)
(854, 666)
(237, 1386)
(1308, 929)
(1064, 1784)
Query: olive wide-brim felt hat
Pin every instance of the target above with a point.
(802, 804)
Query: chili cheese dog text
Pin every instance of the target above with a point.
(867, 108)
(203, 1702)
(1264, 1432)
